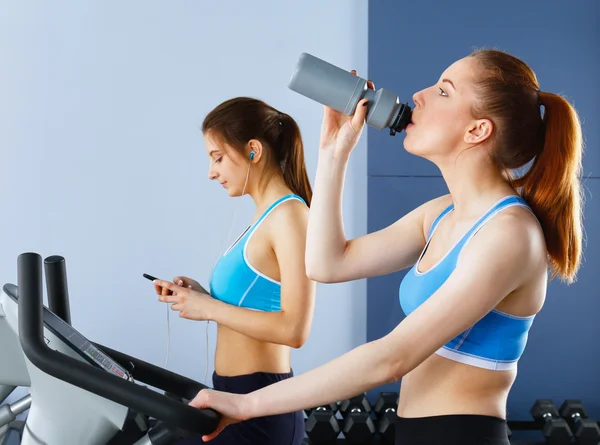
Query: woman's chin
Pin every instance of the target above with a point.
(409, 148)
(415, 150)
(233, 193)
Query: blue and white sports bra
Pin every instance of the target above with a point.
(496, 341)
(235, 281)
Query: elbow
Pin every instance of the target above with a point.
(319, 273)
(319, 276)
(396, 364)
(296, 342)
(298, 337)
(325, 267)
(394, 371)
(313, 269)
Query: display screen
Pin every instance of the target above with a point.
(75, 340)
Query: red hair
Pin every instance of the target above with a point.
(508, 94)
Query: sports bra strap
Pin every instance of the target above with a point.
(505, 202)
(501, 204)
(437, 220)
(272, 207)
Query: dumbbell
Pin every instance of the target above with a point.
(358, 427)
(321, 426)
(357, 402)
(554, 428)
(586, 431)
(330, 406)
(385, 409)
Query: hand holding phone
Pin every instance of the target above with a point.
(180, 281)
(192, 284)
(159, 290)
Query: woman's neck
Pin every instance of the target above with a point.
(269, 191)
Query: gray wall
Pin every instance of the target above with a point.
(410, 44)
(103, 161)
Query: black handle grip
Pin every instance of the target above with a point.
(82, 375)
(56, 286)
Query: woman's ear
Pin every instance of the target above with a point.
(254, 150)
(478, 131)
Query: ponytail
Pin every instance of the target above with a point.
(293, 165)
(508, 92)
(241, 119)
(552, 186)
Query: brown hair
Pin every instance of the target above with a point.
(508, 94)
(241, 119)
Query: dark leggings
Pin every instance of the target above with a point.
(282, 429)
(457, 429)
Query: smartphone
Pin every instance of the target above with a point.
(151, 278)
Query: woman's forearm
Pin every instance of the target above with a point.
(326, 241)
(364, 368)
(272, 327)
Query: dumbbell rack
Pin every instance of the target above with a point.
(374, 422)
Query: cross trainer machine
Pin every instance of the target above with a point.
(82, 392)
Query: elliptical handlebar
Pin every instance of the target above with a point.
(56, 286)
(95, 380)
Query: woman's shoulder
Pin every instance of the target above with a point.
(433, 208)
(516, 235)
(523, 223)
(290, 214)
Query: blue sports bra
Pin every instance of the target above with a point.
(235, 281)
(497, 340)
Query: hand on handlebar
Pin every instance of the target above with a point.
(232, 407)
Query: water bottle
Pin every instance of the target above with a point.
(342, 90)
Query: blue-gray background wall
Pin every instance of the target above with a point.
(410, 45)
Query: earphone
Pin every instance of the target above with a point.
(251, 155)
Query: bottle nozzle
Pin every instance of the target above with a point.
(403, 119)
